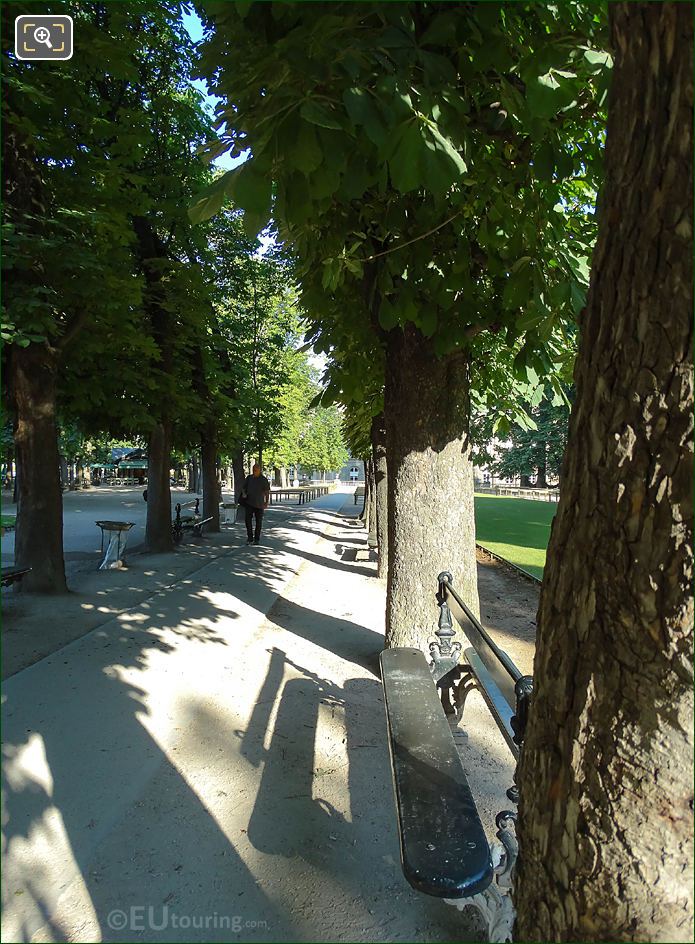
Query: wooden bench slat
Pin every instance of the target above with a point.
(444, 850)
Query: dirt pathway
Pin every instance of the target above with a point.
(212, 764)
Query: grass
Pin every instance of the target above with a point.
(517, 529)
(7, 521)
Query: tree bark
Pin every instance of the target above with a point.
(367, 505)
(158, 536)
(153, 254)
(381, 492)
(606, 816)
(431, 525)
(211, 485)
(32, 370)
(39, 534)
(370, 520)
(239, 473)
(541, 477)
(195, 473)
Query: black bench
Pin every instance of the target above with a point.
(192, 522)
(444, 848)
(13, 574)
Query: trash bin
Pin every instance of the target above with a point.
(117, 532)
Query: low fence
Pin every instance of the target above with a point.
(535, 494)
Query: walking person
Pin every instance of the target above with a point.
(256, 493)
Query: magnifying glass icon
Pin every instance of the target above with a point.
(43, 35)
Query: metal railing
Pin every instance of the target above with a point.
(535, 494)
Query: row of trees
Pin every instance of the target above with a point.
(433, 165)
(434, 177)
(122, 319)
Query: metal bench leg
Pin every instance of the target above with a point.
(496, 909)
(495, 903)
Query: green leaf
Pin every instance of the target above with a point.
(251, 191)
(517, 291)
(388, 315)
(501, 427)
(544, 161)
(307, 154)
(209, 201)
(598, 60)
(318, 114)
(405, 160)
(548, 94)
(428, 321)
(448, 148)
(364, 113)
(441, 31)
(578, 296)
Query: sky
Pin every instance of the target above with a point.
(194, 27)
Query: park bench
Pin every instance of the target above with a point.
(359, 492)
(13, 574)
(192, 522)
(445, 851)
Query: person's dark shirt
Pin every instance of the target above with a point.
(256, 489)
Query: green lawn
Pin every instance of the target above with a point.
(8, 521)
(517, 529)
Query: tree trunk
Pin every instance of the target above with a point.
(370, 520)
(606, 828)
(541, 477)
(524, 481)
(277, 479)
(32, 370)
(63, 467)
(195, 473)
(381, 492)
(366, 506)
(211, 485)
(239, 473)
(431, 525)
(39, 534)
(158, 527)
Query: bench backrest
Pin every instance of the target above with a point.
(503, 686)
(495, 660)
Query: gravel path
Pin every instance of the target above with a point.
(211, 764)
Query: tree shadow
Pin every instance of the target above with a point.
(98, 818)
(350, 641)
(324, 803)
(126, 777)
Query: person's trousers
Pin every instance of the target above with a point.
(250, 512)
